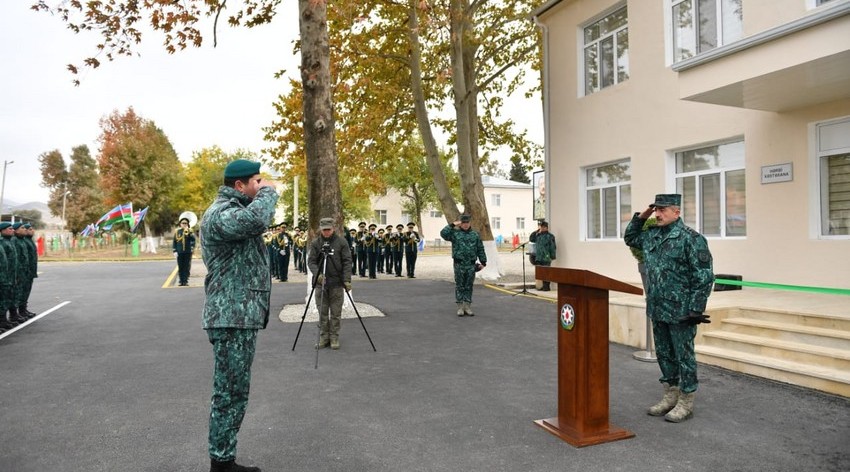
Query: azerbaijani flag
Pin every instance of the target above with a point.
(137, 218)
(116, 215)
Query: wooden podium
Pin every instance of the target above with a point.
(583, 356)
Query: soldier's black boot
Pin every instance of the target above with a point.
(26, 312)
(16, 315)
(230, 466)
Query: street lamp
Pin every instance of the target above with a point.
(3, 187)
(64, 196)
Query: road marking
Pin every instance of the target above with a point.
(170, 278)
(31, 320)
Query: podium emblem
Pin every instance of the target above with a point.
(568, 317)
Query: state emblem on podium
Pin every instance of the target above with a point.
(568, 317)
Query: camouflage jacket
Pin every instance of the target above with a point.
(338, 270)
(466, 245)
(679, 273)
(33, 250)
(12, 268)
(545, 250)
(238, 280)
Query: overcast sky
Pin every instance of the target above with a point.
(199, 97)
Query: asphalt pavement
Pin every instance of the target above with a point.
(119, 380)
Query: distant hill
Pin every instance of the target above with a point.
(11, 206)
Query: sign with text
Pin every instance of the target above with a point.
(777, 173)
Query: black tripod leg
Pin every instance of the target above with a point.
(361, 320)
(307, 307)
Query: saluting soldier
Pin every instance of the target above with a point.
(411, 248)
(183, 246)
(398, 248)
(545, 248)
(466, 249)
(270, 240)
(7, 275)
(283, 242)
(238, 290)
(679, 279)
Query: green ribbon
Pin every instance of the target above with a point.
(796, 288)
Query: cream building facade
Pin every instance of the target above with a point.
(743, 106)
(509, 204)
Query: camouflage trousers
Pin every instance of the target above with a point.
(464, 278)
(233, 350)
(674, 349)
(332, 299)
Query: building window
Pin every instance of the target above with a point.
(381, 217)
(609, 200)
(405, 218)
(702, 25)
(520, 223)
(435, 214)
(496, 199)
(495, 223)
(713, 187)
(821, 2)
(606, 51)
(833, 147)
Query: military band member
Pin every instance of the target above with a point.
(411, 248)
(361, 249)
(238, 289)
(183, 246)
(380, 254)
(351, 238)
(284, 251)
(371, 245)
(398, 249)
(388, 253)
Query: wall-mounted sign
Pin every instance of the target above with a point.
(777, 173)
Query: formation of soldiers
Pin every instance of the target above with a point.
(382, 251)
(19, 260)
(374, 251)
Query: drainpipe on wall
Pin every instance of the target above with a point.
(546, 134)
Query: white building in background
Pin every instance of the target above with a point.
(509, 204)
(742, 106)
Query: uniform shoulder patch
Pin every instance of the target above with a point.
(703, 256)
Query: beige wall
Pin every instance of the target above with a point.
(643, 119)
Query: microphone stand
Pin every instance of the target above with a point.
(524, 289)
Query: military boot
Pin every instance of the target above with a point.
(230, 466)
(684, 409)
(26, 312)
(323, 341)
(460, 311)
(671, 396)
(334, 343)
(467, 308)
(16, 316)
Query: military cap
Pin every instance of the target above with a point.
(27, 225)
(390, 227)
(411, 224)
(352, 230)
(5, 224)
(465, 218)
(183, 219)
(373, 225)
(362, 223)
(326, 223)
(17, 225)
(543, 223)
(667, 199)
(380, 230)
(241, 168)
(399, 226)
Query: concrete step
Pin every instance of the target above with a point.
(788, 332)
(803, 353)
(813, 320)
(835, 381)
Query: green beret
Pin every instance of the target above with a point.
(5, 225)
(465, 218)
(27, 225)
(241, 168)
(17, 225)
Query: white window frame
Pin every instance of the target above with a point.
(496, 199)
(520, 223)
(670, 34)
(435, 214)
(495, 222)
(585, 188)
(818, 153)
(698, 191)
(582, 46)
(381, 217)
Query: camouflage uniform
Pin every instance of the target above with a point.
(679, 279)
(336, 276)
(545, 251)
(238, 287)
(466, 248)
(6, 280)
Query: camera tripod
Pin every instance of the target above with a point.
(326, 251)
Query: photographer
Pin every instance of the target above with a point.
(335, 278)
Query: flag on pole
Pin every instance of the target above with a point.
(89, 230)
(116, 215)
(137, 218)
